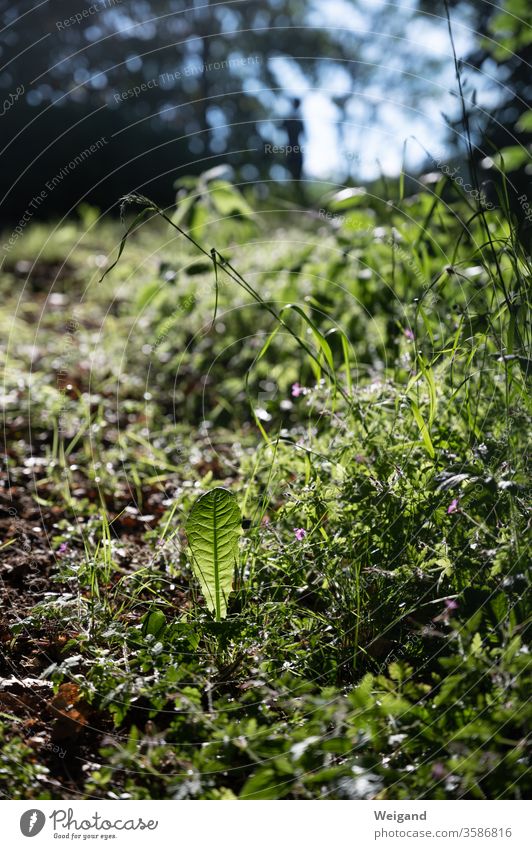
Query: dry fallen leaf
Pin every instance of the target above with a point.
(70, 712)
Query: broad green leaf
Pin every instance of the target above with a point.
(213, 528)
(154, 623)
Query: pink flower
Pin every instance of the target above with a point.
(450, 605)
(438, 771)
(63, 548)
(300, 533)
(453, 506)
(297, 390)
(409, 334)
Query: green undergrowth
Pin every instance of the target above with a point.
(368, 407)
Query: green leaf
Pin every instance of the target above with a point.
(153, 623)
(476, 645)
(264, 784)
(227, 200)
(213, 528)
(511, 158)
(361, 697)
(524, 124)
(423, 429)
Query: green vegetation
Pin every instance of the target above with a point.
(357, 381)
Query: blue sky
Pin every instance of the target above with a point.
(377, 141)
